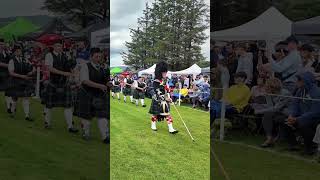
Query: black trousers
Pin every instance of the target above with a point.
(307, 131)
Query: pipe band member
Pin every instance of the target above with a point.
(128, 91)
(4, 73)
(140, 90)
(58, 92)
(116, 87)
(160, 108)
(20, 82)
(93, 96)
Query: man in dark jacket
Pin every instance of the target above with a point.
(304, 112)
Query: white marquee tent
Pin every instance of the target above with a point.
(194, 69)
(147, 71)
(270, 25)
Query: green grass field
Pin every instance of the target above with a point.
(29, 152)
(243, 162)
(139, 153)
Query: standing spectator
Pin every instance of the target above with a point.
(306, 52)
(290, 65)
(245, 63)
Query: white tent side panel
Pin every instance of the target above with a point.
(270, 25)
(97, 36)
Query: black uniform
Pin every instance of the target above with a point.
(58, 91)
(128, 90)
(4, 73)
(140, 94)
(93, 102)
(18, 87)
(159, 106)
(116, 88)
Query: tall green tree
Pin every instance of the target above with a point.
(80, 11)
(169, 30)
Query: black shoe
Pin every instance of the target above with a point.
(85, 137)
(9, 111)
(293, 148)
(132, 102)
(73, 130)
(106, 141)
(309, 152)
(267, 145)
(174, 132)
(47, 126)
(144, 105)
(29, 119)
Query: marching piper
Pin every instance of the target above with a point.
(4, 73)
(20, 82)
(116, 87)
(58, 91)
(160, 108)
(140, 89)
(93, 96)
(128, 91)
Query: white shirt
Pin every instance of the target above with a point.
(49, 59)
(84, 71)
(11, 64)
(135, 84)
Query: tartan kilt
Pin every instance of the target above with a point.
(116, 89)
(4, 81)
(91, 105)
(58, 96)
(138, 94)
(156, 108)
(127, 91)
(43, 92)
(19, 88)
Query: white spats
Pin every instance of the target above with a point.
(171, 127)
(154, 125)
(26, 106)
(8, 102)
(103, 127)
(68, 117)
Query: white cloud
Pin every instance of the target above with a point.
(123, 16)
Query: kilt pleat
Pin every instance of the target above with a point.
(58, 96)
(19, 88)
(90, 105)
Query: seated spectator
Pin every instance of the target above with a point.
(236, 97)
(304, 114)
(204, 96)
(275, 111)
(177, 92)
(245, 62)
(195, 96)
(259, 89)
(306, 52)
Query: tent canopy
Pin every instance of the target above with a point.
(116, 70)
(270, 25)
(194, 69)
(147, 71)
(17, 28)
(307, 27)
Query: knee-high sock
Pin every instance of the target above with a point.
(26, 106)
(112, 94)
(13, 105)
(118, 95)
(86, 124)
(68, 117)
(8, 102)
(142, 101)
(131, 98)
(47, 117)
(125, 98)
(137, 102)
(103, 127)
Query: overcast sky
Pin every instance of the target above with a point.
(10, 8)
(124, 14)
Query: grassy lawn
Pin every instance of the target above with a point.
(244, 162)
(29, 152)
(139, 153)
